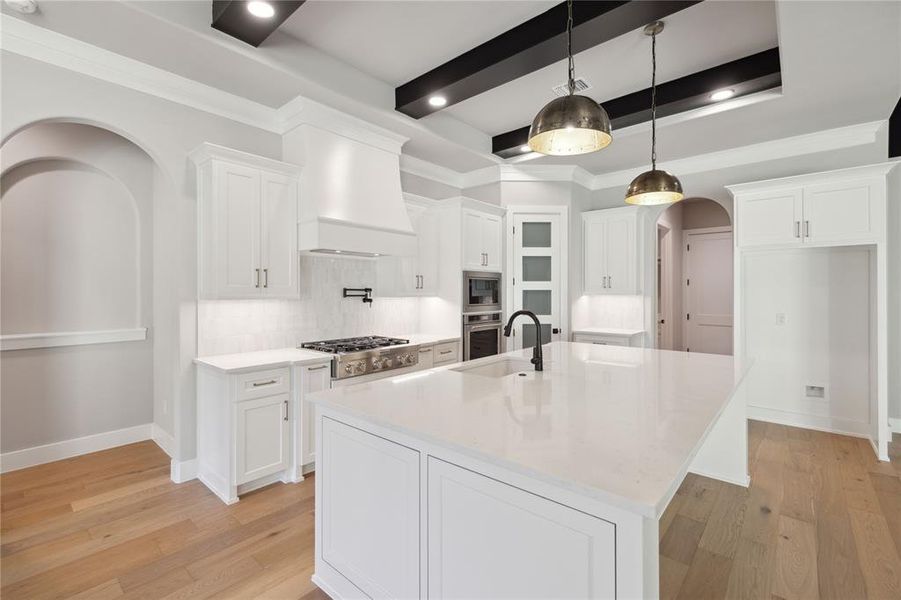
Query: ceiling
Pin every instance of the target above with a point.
(841, 64)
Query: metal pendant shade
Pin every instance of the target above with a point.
(572, 124)
(654, 186)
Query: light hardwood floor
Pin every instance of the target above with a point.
(822, 518)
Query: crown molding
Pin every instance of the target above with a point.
(303, 111)
(878, 169)
(799, 145)
(45, 45)
(207, 151)
(571, 173)
(484, 176)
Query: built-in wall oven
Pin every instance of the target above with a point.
(481, 292)
(482, 335)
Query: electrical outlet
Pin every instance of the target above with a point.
(780, 318)
(815, 391)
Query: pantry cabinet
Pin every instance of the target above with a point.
(610, 251)
(247, 225)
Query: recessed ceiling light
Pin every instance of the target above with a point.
(525, 148)
(722, 95)
(263, 10)
(437, 100)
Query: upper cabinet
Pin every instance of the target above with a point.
(247, 225)
(610, 251)
(837, 208)
(415, 275)
(483, 240)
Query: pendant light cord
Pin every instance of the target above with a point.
(654, 102)
(569, 47)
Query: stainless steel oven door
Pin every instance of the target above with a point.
(481, 291)
(482, 335)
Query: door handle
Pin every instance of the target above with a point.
(807, 229)
(265, 278)
(604, 282)
(257, 284)
(797, 229)
(609, 281)
(421, 281)
(286, 410)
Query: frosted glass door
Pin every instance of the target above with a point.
(537, 276)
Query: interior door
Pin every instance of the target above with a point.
(279, 235)
(237, 189)
(537, 277)
(707, 266)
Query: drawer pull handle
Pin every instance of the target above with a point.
(262, 383)
(426, 350)
(446, 352)
(316, 368)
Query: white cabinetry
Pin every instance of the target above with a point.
(610, 251)
(828, 213)
(367, 503)
(255, 427)
(483, 238)
(247, 225)
(413, 275)
(576, 551)
(612, 337)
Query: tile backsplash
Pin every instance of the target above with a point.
(227, 326)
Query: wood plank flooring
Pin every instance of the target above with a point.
(822, 519)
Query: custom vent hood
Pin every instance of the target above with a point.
(350, 195)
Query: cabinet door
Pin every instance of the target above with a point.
(487, 539)
(279, 236)
(369, 510)
(426, 357)
(473, 251)
(620, 253)
(236, 197)
(427, 231)
(594, 255)
(768, 218)
(493, 241)
(839, 212)
(261, 437)
(315, 378)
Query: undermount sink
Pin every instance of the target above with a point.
(500, 368)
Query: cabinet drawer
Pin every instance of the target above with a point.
(602, 340)
(446, 353)
(262, 383)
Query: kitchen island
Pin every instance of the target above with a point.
(487, 479)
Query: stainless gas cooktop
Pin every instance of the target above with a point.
(364, 355)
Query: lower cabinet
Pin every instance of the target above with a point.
(369, 511)
(261, 437)
(309, 379)
(487, 539)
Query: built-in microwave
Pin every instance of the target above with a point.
(481, 291)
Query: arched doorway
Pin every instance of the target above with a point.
(694, 277)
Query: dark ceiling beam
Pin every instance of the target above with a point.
(748, 75)
(233, 18)
(530, 46)
(894, 132)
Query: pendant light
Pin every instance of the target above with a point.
(654, 186)
(572, 124)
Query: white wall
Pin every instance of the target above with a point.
(824, 297)
(227, 326)
(421, 186)
(671, 277)
(35, 91)
(77, 220)
(702, 213)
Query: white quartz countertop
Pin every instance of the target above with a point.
(282, 357)
(609, 331)
(616, 423)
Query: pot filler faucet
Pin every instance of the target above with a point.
(537, 357)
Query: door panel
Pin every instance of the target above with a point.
(237, 229)
(835, 213)
(537, 276)
(262, 437)
(708, 294)
(315, 379)
(594, 255)
(279, 235)
(473, 251)
(492, 241)
(427, 229)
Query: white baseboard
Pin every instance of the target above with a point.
(38, 455)
(815, 422)
(894, 424)
(181, 471)
(162, 438)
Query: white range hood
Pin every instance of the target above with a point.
(350, 195)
